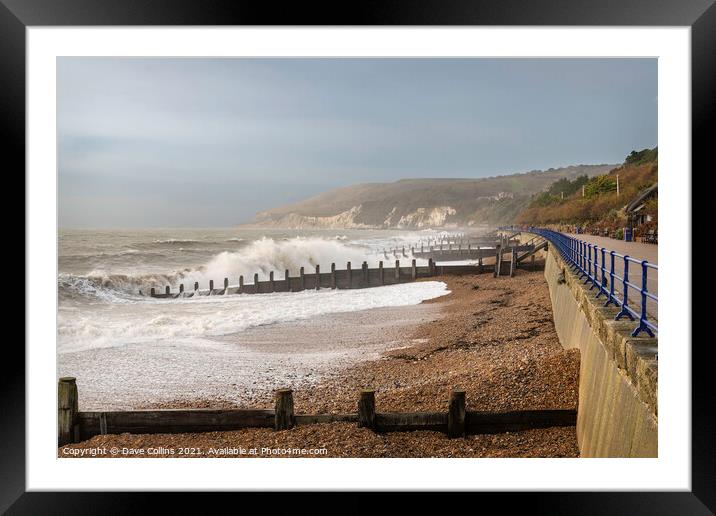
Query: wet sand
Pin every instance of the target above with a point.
(239, 370)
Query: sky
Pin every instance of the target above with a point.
(161, 142)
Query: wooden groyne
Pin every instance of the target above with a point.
(348, 278)
(457, 248)
(456, 421)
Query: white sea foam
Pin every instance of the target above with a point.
(258, 257)
(186, 321)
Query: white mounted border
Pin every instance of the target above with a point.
(670, 471)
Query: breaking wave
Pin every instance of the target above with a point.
(260, 256)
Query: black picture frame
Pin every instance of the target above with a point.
(700, 15)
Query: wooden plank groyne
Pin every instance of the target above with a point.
(456, 249)
(456, 421)
(362, 277)
(348, 278)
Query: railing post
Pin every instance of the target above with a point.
(226, 283)
(603, 282)
(625, 286)
(302, 279)
(287, 279)
(595, 277)
(211, 286)
(241, 284)
(272, 285)
(397, 271)
(181, 288)
(413, 269)
(611, 280)
(642, 318)
(196, 285)
(256, 283)
(167, 290)
(318, 277)
(349, 273)
(333, 275)
(589, 264)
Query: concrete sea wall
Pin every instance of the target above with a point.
(617, 414)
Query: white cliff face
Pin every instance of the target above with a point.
(388, 220)
(424, 217)
(343, 220)
(420, 218)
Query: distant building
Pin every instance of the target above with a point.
(636, 215)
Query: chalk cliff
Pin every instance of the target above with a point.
(420, 203)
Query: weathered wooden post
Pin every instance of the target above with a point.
(349, 273)
(333, 275)
(365, 273)
(211, 286)
(366, 409)
(167, 290)
(287, 279)
(181, 288)
(241, 284)
(397, 271)
(283, 415)
(479, 258)
(67, 402)
(430, 266)
(152, 292)
(498, 260)
(226, 283)
(456, 414)
(318, 277)
(196, 286)
(513, 262)
(413, 270)
(302, 279)
(381, 277)
(256, 283)
(272, 285)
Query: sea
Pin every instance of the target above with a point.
(101, 274)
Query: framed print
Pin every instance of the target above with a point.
(415, 248)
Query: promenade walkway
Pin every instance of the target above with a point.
(636, 250)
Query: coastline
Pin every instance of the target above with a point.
(493, 337)
(241, 369)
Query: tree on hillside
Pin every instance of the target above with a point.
(599, 185)
(567, 187)
(642, 156)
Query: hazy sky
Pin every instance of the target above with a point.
(209, 142)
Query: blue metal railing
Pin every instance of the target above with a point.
(597, 265)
